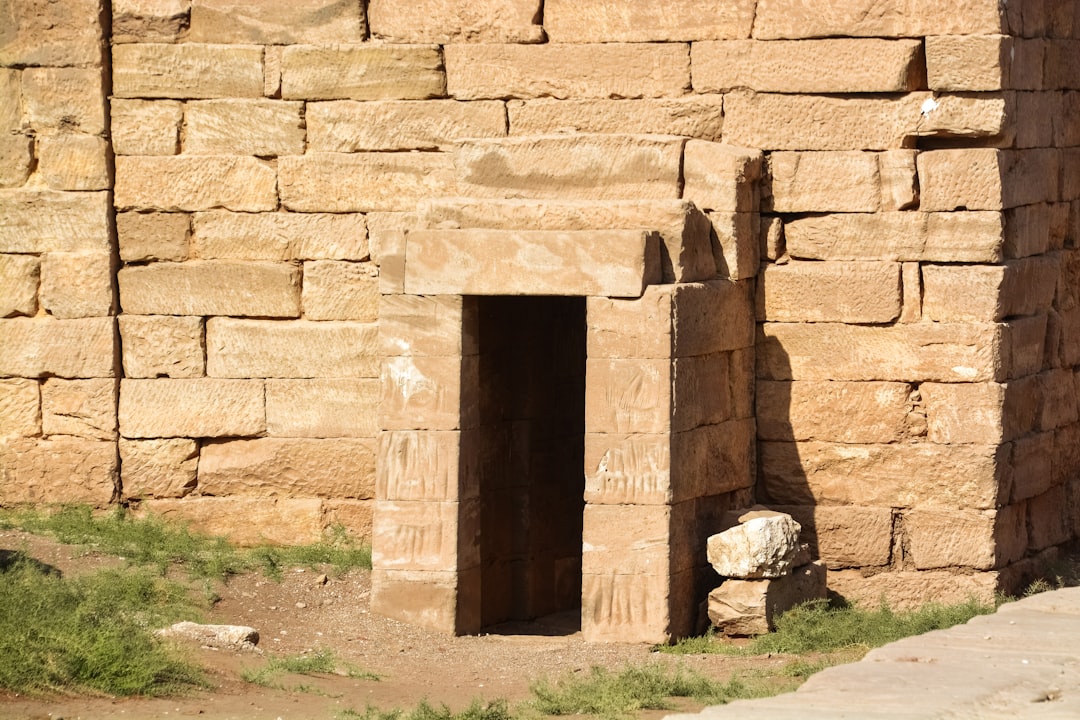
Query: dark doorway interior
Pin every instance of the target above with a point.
(532, 414)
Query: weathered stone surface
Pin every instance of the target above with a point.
(617, 263)
(721, 177)
(439, 21)
(425, 393)
(820, 181)
(195, 408)
(899, 475)
(354, 517)
(981, 539)
(322, 408)
(282, 22)
(698, 305)
(631, 608)
(184, 182)
(581, 167)
(377, 72)
(848, 412)
(19, 276)
(968, 62)
(219, 637)
(866, 18)
(244, 127)
(288, 467)
(80, 408)
(77, 285)
(246, 521)
(153, 236)
(440, 536)
(839, 65)
(348, 126)
(696, 116)
(992, 116)
(736, 248)
(67, 99)
(188, 70)
(636, 539)
(945, 352)
(48, 471)
(986, 178)
(363, 182)
(426, 465)
(40, 32)
(700, 391)
(162, 346)
(630, 328)
(298, 349)
(628, 396)
(760, 547)
(73, 162)
(607, 70)
(899, 182)
(904, 236)
(1052, 526)
(20, 408)
(211, 287)
(158, 468)
(16, 159)
(750, 607)
(845, 536)
(340, 291)
(989, 292)
(849, 292)
(908, 590)
(39, 347)
(279, 236)
(149, 20)
(427, 326)
(145, 127)
(582, 21)
(10, 101)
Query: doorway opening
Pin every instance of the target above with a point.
(532, 425)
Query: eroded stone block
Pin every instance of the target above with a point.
(52, 471)
(695, 116)
(364, 182)
(280, 236)
(187, 70)
(281, 22)
(153, 236)
(73, 162)
(43, 346)
(377, 72)
(37, 221)
(297, 349)
(162, 346)
(192, 408)
(77, 285)
(850, 412)
(146, 127)
(340, 291)
(582, 21)
(20, 408)
(158, 468)
(187, 182)
(440, 21)
(19, 275)
(322, 408)
(348, 126)
(79, 408)
(211, 287)
(848, 292)
(750, 607)
(243, 127)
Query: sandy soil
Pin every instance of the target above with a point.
(302, 614)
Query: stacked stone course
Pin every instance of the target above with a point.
(229, 229)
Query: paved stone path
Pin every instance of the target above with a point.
(1021, 662)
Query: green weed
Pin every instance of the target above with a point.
(320, 662)
(477, 710)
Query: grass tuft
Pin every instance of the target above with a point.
(322, 662)
(477, 710)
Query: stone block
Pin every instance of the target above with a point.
(322, 408)
(695, 116)
(697, 307)
(439, 21)
(20, 408)
(149, 20)
(425, 393)
(211, 287)
(244, 127)
(567, 71)
(65, 99)
(192, 408)
(581, 167)
(617, 263)
(352, 517)
(298, 349)
(448, 602)
(920, 475)
(989, 116)
(146, 127)
(19, 276)
(899, 183)
(968, 413)
(631, 469)
(968, 62)
(1049, 514)
(362, 72)
(764, 546)
(440, 536)
(628, 396)
(153, 236)
(388, 252)
(16, 159)
(187, 70)
(700, 391)
(736, 249)
(162, 346)
(630, 328)
(1023, 346)
(340, 291)
(246, 521)
(43, 346)
(908, 590)
(911, 291)
(73, 162)
(39, 32)
(279, 236)
(11, 120)
(598, 21)
(1062, 69)
(835, 65)
(845, 412)
(989, 292)
(58, 471)
(349, 126)
(288, 467)
(1059, 406)
(426, 465)
(158, 468)
(777, 19)
(635, 539)
(186, 182)
(77, 285)
(771, 237)
(823, 181)
(986, 178)
(426, 326)
(363, 182)
(848, 292)
(980, 539)
(79, 408)
(721, 177)
(845, 536)
(943, 352)
(618, 607)
(280, 22)
(750, 607)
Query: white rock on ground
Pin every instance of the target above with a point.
(764, 546)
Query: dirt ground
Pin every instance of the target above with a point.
(301, 614)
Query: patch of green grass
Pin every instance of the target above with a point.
(477, 710)
(320, 662)
(90, 634)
